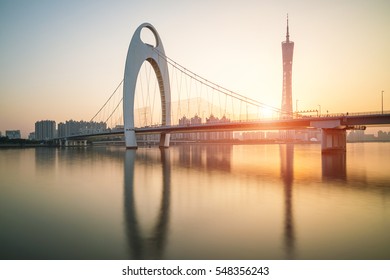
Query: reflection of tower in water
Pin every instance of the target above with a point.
(141, 247)
(287, 174)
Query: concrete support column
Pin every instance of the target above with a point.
(333, 139)
(164, 140)
(131, 141)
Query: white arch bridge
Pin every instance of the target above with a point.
(168, 98)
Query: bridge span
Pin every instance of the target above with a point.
(334, 122)
(333, 127)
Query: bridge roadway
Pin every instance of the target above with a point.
(333, 128)
(338, 121)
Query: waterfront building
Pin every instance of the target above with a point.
(197, 136)
(45, 130)
(254, 135)
(361, 136)
(13, 134)
(383, 135)
(218, 135)
(202, 136)
(71, 128)
(31, 136)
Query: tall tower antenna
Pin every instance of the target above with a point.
(287, 54)
(287, 34)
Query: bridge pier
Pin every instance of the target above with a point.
(164, 140)
(333, 139)
(131, 141)
(334, 136)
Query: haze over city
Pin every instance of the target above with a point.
(61, 60)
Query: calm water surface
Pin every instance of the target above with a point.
(195, 202)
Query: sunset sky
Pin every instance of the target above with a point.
(61, 60)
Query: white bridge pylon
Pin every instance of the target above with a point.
(138, 53)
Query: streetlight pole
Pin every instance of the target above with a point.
(320, 108)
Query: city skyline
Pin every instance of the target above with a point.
(62, 60)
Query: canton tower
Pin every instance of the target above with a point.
(287, 53)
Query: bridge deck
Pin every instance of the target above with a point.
(344, 121)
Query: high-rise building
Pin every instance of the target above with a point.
(287, 53)
(45, 130)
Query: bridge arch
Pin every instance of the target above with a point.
(138, 53)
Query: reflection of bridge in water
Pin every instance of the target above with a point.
(152, 244)
(162, 166)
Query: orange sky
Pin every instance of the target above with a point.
(61, 60)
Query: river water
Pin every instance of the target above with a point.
(196, 202)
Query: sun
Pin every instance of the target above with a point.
(268, 113)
